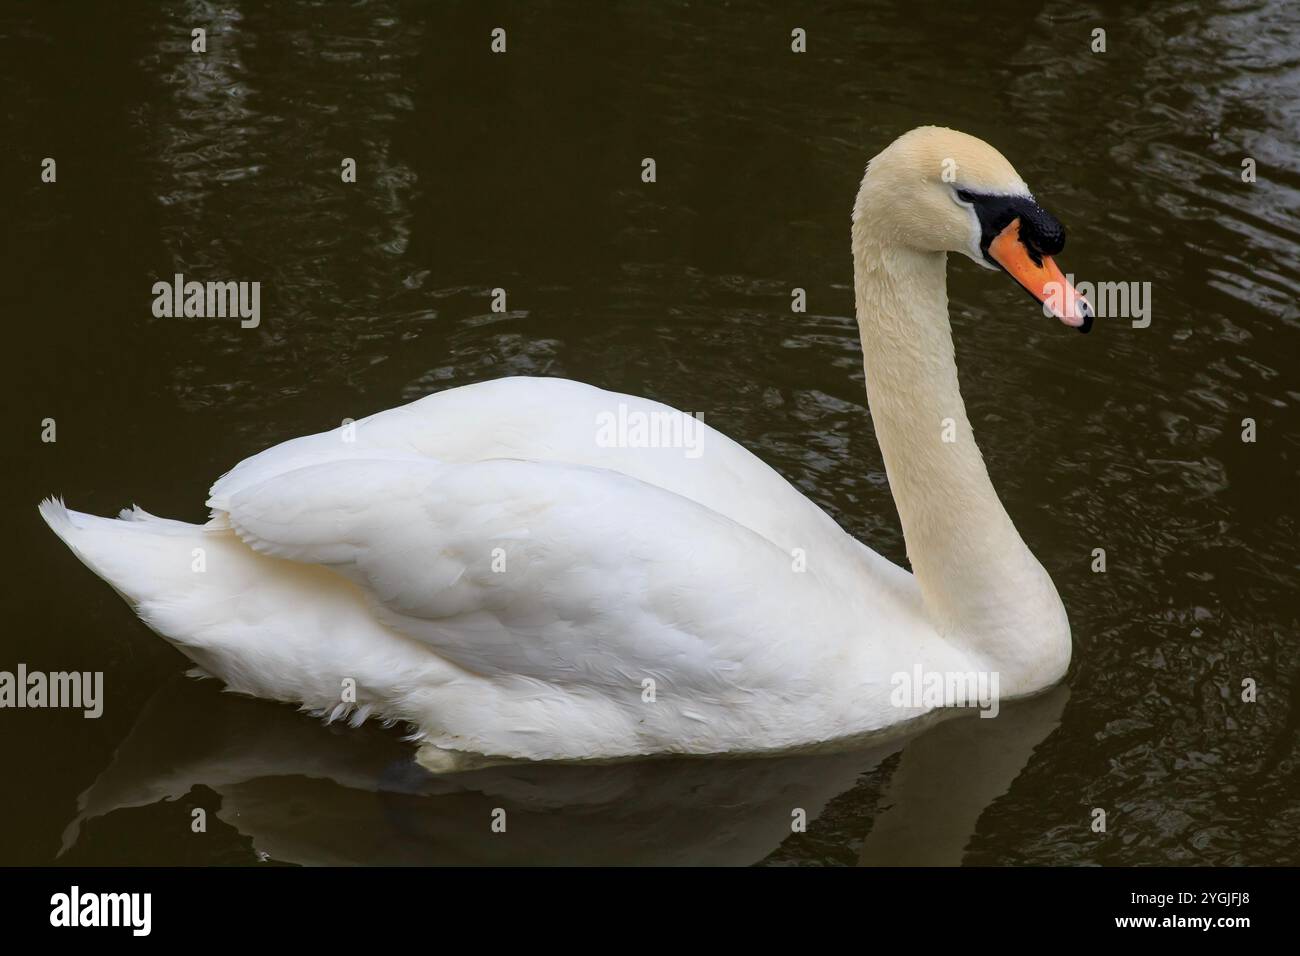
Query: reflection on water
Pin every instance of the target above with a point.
(522, 172)
(304, 792)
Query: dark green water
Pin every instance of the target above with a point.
(522, 171)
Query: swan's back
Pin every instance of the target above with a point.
(558, 420)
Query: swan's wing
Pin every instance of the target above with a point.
(556, 420)
(562, 574)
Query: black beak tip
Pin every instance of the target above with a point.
(1086, 309)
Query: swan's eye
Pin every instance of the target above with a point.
(965, 195)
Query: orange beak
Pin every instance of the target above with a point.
(1042, 279)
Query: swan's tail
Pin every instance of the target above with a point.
(178, 577)
(143, 557)
(265, 627)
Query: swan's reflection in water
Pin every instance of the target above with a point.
(308, 793)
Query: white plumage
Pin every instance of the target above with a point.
(479, 565)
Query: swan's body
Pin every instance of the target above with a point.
(479, 565)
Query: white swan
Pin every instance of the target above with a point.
(480, 565)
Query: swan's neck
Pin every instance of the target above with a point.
(981, 585)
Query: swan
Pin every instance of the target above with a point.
(481, 567)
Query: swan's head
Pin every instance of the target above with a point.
(938, 190)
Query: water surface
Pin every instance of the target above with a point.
(522, 171)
